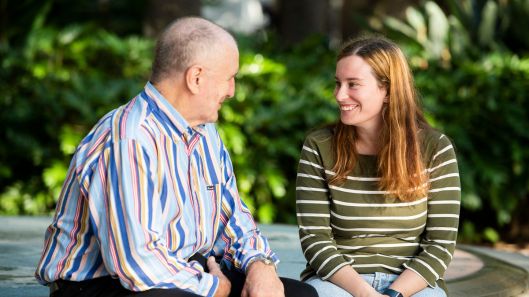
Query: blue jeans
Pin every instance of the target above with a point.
(379, 281)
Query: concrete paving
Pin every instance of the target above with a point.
(474, 271)
(21, 240)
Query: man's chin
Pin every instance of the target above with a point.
(213, 119)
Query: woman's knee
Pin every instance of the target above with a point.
(326, 288)
(295, 288)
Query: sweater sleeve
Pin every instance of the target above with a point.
(313, 213)
(444, 196)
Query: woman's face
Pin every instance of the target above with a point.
(358, 93)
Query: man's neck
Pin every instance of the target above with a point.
(177, 96)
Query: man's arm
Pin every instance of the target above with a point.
(262, 280)
(241, 241)
(313, 215)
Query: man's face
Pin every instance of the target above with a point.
(219, 83)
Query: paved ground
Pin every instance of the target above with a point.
(475, 271)
(21, 241)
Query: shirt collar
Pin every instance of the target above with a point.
(172, 114)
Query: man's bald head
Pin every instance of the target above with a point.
(186, 41)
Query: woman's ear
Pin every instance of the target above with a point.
(194, 78)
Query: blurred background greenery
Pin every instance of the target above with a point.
(64, 65)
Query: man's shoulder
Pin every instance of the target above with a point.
(131, 119)
(119, 122)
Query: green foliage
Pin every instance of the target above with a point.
(483, 107)
(18, 18)
(469, 66)
(473, 86)
(470, 28)
(62, 81)
(54, 89)
(280, 96)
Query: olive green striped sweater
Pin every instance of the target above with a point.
(354, 224)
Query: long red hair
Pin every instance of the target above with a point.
(400, 163)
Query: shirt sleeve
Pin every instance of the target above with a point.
(240, 239)
(313, 214)
(127, 219)
(439, 240)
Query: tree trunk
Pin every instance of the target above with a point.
(161, 13)
(301, 18)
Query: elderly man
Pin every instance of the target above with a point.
(151, 192)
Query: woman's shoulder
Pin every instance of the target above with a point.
(433, 140)
(320, 135)
(432, 136)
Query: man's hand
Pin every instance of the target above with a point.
(224, 283)
(262, 281)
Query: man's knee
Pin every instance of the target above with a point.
(295, 288)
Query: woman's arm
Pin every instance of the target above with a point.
(409, 283)
(439, 238)
(313, 214)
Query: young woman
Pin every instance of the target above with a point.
(378, 193)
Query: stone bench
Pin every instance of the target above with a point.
(474, 271)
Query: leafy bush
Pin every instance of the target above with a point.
(280, 96)
(63, 80)
(482, 106)
(474, 87)
(54, 89)
(60, 81)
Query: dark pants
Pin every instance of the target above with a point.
(109, 287)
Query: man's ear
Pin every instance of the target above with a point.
(194, 77)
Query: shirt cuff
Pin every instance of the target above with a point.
(273, 260)
(424, 272)
(251, 258)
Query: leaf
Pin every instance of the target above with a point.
(400, 26)
(437, 29)
(266, 213)
(491, 235)
(416, 20)
(487, 27)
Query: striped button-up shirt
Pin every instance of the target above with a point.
(143, 193)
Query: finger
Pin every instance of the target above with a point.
(212, 265)
(244, 292)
